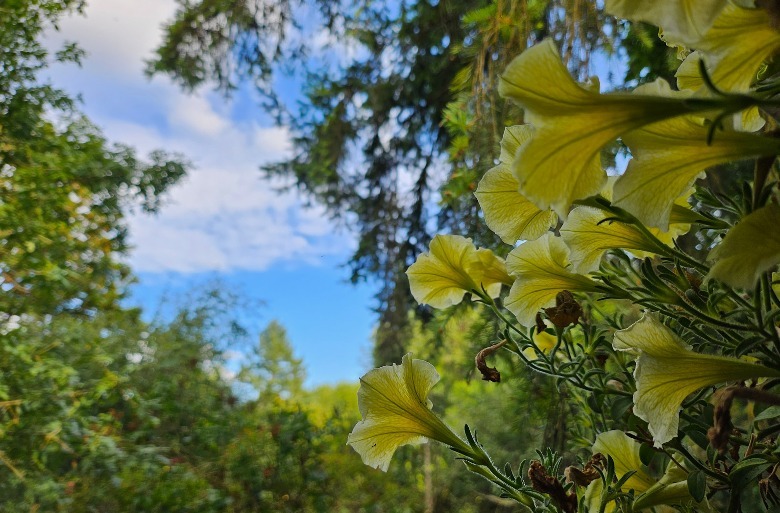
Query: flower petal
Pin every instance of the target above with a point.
(732, 59)
(749, 249)
(561, 162)
(394, 404)
(541, 268)
(669, 156)
(667, 371)
(453, 267)
(682, 21)
(508, 213)
(625, 453)
(589, 238)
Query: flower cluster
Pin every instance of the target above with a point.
(705, 321)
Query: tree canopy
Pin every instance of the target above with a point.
(400, 115)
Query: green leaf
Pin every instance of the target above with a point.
(697, 485)
(770, 413)
(646, 453)
(748, 470)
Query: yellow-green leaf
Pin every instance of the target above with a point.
(749, 249)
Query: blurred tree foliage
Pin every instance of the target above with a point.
(400, 116)
(64, 190)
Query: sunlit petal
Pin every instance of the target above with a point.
(507, 212)
(393, 402)
(452, 268)
(682, 21)
(749, 249)
(625, 453)
(667, 371)
(542, 270)
(561, 161)
(669, 156)
(588, 238)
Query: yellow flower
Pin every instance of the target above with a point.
(732, 59)
(507, 212)
(541, 270)
(452, 268)
(667, 371)
(749, 249)
(672, 488)
(544, 342)
(588, 238)
(733, 50)
(669, 156)
(394, 404)
(561, 161)
(682, 21)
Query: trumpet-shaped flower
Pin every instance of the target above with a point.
(561, 161)
(394, 404)
(682, 21)
(544, 342)
(667, 371)
(588, 238)
(669, 156)
(672, 488)
(508, 213)
(732, 59)
(452, 268)
(749, 249)
(541, 270)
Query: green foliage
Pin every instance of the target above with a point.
(64, 190)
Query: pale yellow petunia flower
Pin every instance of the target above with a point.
(667, 372)
(672, 488)
(561, 161)
(749, 249)
(509, 214)
(541, 269)
(669, 156)
(452, 268)
(393, 402)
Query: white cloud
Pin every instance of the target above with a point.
(194, 113)
(223, 216)
(119, 34)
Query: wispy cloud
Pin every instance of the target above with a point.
(224, 216)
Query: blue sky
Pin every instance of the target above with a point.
(223, 221)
